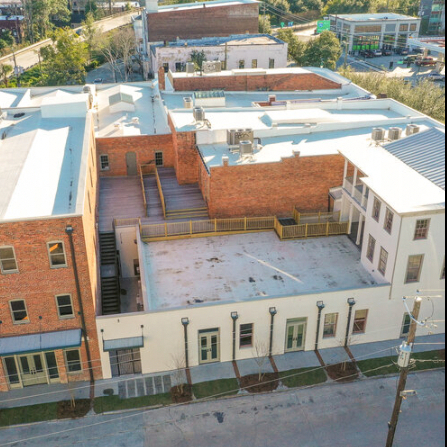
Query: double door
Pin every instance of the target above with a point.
(209, 349)
(296, 335)
(32, 370)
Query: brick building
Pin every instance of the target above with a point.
(48, 240)
(15, 24)
(196, 20)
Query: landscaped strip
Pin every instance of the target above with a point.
(303, 377)
(224, 387)
(115, 403)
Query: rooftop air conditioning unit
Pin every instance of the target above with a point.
(378, 134)
(412, 129)
(188, 103)
(235, 136)
(246, 148)
(212, 67)
(190, 68)
(395, 133)
(199, 114)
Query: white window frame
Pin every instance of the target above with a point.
(332, 324)
(426, 228)
(65, 317)
(14, 321)
(102, 163)
(251, 334)
(8, 272)
(363, 319)
(50, 255)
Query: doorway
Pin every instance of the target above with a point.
(296, 335)
(125, 362)
(131, 162)
(32, 370)
(209, 346)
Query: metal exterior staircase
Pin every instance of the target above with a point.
(110, 286)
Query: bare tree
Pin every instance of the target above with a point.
(261, 352)
(179, 374)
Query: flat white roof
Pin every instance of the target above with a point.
(246, 71)
(149, 117)
(42, 166)
(197, 5)
(248, 267)
(385, 16)
(401, 187)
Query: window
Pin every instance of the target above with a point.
(254, 63)
(414, 268)
(241, 65)
(271, 64)
(413, 27)
(159, 159)
(422, 227)
(330, 325)
(368, 29)
(56, 252)
(19, 312)
(371, 248)
(376, 209)
(8, 261)
(360, 321)
(73, 360)
(64, 306)
(246, 337)
(404, 27)
(383, 261)
(389, 219)
(406, 325)
(180, 67)
(166, 67)
(104, 162)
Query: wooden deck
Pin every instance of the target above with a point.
(119, 198)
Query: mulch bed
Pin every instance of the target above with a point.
(442, 354)
(181, 394)
(269, 382)
(65, 409)
(343, 372)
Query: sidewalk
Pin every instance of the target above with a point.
(153, 384)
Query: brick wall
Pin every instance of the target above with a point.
(206, 21)
(274, 188)
(271, 82)
(144, 146)
(38, 284)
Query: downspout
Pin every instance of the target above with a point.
(320, 306)
(234, 317)
(351, 303)
(273, 312)
(185, 322)
(69, 230)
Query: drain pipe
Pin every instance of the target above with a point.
(351, 302)
(185, 322)
(273, 312)
(320, 306)
(70, 230)
(234, 317)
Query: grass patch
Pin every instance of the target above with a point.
(114, 403)
(431, 361)
(28, 415)
(303, 377)
(206, 389)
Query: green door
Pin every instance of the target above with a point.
(209, 347)
(296, 335)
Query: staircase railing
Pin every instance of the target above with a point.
(160, 190)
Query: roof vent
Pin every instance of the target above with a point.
(395, 133)
(412, 129)
(212, 67)
(378, 134)
(246, 147)
(272, 99)
(199, 114)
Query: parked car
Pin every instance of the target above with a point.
(387, 52)
(436, 77)
(378, 53)
(418, 50)
(367, 53)
(410, 59)
(426, 62)
(403, 51)
(98, 81)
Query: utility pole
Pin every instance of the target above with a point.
(404, 374)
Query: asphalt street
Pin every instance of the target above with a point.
(335, 415)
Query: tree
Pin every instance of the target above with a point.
(324, 51)
(265, 27)
(349, 7)
(91, 33)
(64, 62)
(5, 71)
(198, 58)
(296, 48)
(261, 351)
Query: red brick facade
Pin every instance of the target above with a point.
(144, 147)
(272, 188)
(252, 82)
(222, 20)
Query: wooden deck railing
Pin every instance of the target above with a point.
(302, 218)
(160, 190)
(143, 189)
(304, 231)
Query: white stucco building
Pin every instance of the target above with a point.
(235, 52)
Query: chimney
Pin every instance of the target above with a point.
(340, 103)
(225, 160)
(161, 79)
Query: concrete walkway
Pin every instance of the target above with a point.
(145, 385)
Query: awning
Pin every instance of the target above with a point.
(124, 343)
(49, 341)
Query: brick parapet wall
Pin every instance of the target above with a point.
(251, 82)
(144, 147)
(207, 21)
